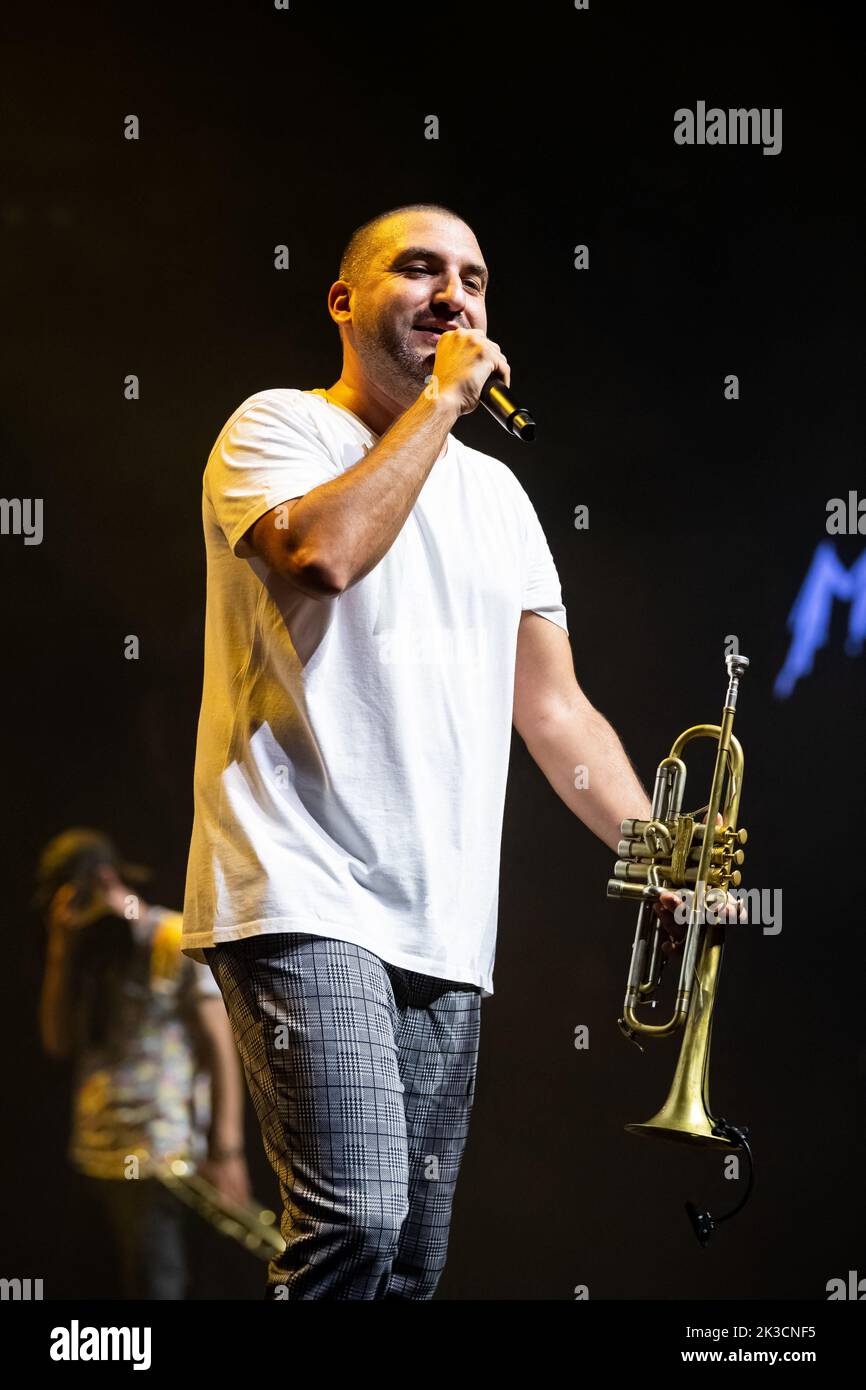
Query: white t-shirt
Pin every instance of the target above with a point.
(352, 752)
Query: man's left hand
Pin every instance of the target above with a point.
(733, 911)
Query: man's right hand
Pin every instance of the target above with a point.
(465, 358)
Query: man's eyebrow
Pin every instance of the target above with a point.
(424, 253)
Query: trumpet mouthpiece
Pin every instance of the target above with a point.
(737, 665)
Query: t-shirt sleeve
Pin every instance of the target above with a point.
(170, 969)
(269, 454)
(542, 592)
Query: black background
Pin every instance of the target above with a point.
(156, 258)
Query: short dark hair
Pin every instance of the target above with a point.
(364, 241)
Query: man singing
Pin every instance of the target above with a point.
(382, 605)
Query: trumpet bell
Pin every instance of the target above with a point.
(683, 1125)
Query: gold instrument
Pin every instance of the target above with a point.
(673, 850)
(252, 1226)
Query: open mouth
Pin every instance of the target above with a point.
(432, 333)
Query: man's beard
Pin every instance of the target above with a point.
(391, 361)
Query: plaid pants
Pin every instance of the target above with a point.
(362, 1076)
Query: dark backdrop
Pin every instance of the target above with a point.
(156, 258)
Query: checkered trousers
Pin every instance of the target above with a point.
(362, 1076)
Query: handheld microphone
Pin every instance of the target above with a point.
(514, 418)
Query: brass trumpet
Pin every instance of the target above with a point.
(670, 851)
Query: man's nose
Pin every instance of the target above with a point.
(451, 294)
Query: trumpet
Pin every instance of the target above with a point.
(673, 850)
